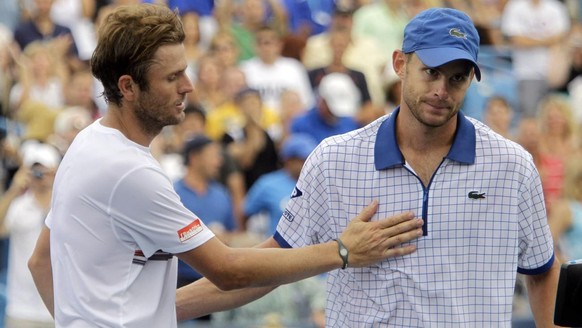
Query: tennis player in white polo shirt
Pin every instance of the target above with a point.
(478, 193)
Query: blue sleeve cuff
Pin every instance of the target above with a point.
(544, 268)
(282, 242)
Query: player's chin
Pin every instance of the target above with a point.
(174, 119)
(435, 121)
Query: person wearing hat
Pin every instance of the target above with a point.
(201, 193)
(23, 208)
(338, 102)
(479, 196)
(271, 191)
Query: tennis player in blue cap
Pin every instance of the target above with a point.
(479, 196)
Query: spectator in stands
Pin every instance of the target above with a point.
(77, 15)
(305, 18)
(498, 115)
(42, 76)
(23, 209)
(338, 102)
(38, 96)
(566, 73)
(202, 194)
(383, 21)
(41, 27)
(208, 26)
(362, 53)
(339, 40)
(559, 141)
(272, 191)
(207, 84)
(36, 121)
(566, 218)
(8, 73)
(532, 28)
(229, 118)
(223, 47)
(528, 136)
(271, 73)
(252, 146)
(291, 107)
(168, 149)
(244, 19)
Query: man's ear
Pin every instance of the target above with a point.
(127, 87)
(399, 62)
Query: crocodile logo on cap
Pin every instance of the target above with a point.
(457, 33)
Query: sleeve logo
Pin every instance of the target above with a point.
(296, 193)
(288, 216)
(190, 230)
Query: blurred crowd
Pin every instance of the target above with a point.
(272, 79)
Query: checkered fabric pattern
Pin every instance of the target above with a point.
(484, 221)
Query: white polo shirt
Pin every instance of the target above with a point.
(484, 222)
(115, 222)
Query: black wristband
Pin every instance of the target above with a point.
(343, 252)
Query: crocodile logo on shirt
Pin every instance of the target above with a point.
(457, 33)
(476, 195)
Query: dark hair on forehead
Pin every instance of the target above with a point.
(127, 42)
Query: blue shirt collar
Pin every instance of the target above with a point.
(387, 153)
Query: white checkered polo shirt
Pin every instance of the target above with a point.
(484, 221)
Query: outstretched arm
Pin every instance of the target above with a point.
(228, 268)
(202, 297)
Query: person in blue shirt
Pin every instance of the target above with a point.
(338, 102)
(309, 17)
(202, 194)
(41, 27)
(271, 192)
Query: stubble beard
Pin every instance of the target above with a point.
(154, 116)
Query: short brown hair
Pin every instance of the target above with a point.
(127, 41)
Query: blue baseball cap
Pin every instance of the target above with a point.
(441, 35)
(298, 145)
(194, 145)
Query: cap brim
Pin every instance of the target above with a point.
(436, 57)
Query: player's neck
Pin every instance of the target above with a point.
(417, 136)
(123, 120)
